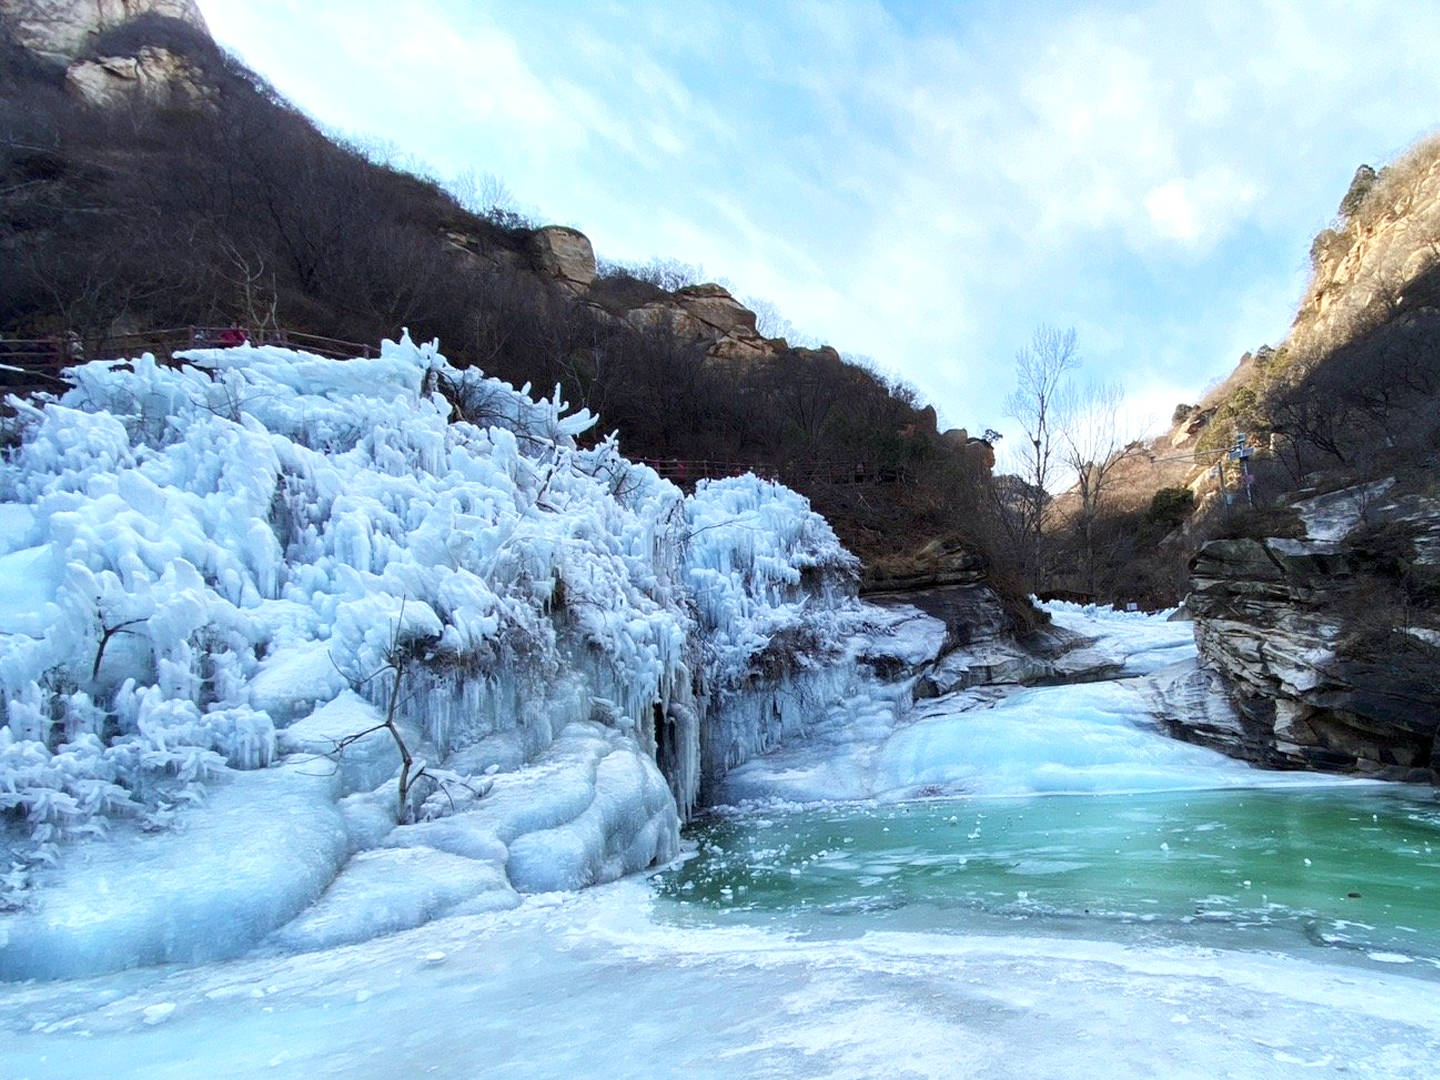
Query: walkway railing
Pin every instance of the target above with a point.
(31, 364)
(685, 472)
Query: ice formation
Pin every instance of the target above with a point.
(222, 580)
(1091, 738)
(234, 590)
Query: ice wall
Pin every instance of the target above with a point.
(774, 593)
(251, 561)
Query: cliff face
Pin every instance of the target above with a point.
(706, 313)
(62, 30)
(1328, 637)
(1367, 265)
(77, 35)
(1328, 643)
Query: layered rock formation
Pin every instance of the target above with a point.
(1329, 643)
(1328, 639)
(711, 314)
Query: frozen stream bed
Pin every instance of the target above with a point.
(1084, 897)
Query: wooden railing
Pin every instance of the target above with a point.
(165, 343)
(28, 365)
(686, 472)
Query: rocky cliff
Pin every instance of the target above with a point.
(62, 30)
(1328, 641)
(78, 36)
(1319, 611)
(706, 313)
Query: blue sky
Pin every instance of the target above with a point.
(920, 183)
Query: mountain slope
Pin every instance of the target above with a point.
(1321, 606)
(192, 194)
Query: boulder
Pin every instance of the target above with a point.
(564, 254)
(710, 315)
(956, 438)
(713, 306)
(738, 349)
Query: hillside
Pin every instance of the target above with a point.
(1316, 586)
(1353, 388)
(1351, 395)
(149, 180)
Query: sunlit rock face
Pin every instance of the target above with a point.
(63, 29)
(1327, 642)
(564, 254)
(710, 314)
(155, 75)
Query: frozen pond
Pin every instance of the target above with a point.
(1354, 867)
(1175, 934)
(1102, 901)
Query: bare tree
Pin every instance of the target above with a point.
(1036, 402)
(770, 322)
(244, 269)
(484, 194)
(1094, 440)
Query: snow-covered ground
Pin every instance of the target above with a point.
(601, 984)
(1138, 642)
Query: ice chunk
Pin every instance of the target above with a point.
(364, 763)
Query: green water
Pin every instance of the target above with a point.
(1349, 867)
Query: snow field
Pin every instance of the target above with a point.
(644, 995)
